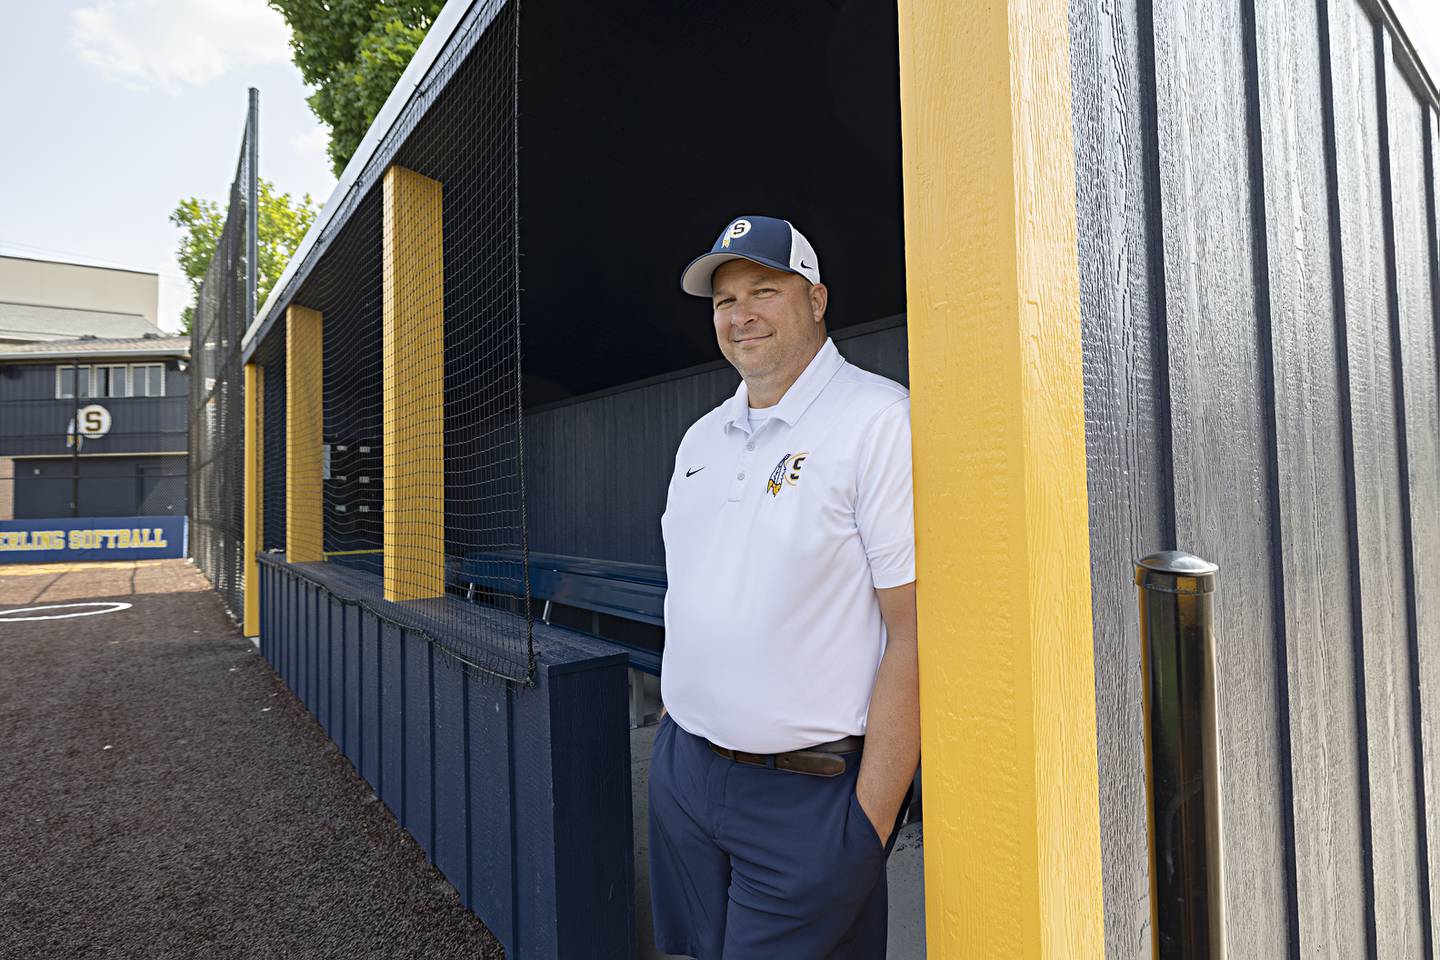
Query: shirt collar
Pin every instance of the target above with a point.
(792, 406)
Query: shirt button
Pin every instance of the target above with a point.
(740, 475)
(749, 446)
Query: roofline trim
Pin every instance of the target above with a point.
(87, 266)
(1406, 54)
(181, 352)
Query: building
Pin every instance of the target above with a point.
(62, 322)
(137, 468)
(42, 300)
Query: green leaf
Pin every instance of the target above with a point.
(353, 53)
(281, 223)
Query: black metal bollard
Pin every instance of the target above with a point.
(1177, 651)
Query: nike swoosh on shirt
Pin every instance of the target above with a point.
(691, 473)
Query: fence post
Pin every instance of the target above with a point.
(254, 502)
(413, 385)
(304, 435)
(1182, 761)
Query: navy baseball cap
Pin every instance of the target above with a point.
(764, 240)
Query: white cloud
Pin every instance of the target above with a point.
(312, 143)
(168, 44)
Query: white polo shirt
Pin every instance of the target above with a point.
(775, 543)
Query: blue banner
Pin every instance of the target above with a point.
(91, 538)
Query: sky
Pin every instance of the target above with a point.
(114, 110)
(1421, 21)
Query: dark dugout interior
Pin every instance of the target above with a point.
(646, 127)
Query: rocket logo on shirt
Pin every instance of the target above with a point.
(781, 475)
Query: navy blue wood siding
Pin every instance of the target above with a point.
(1256, 209)
(31, 428)
(519, 795)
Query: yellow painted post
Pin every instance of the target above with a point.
(304, 435)
(1007, 683)
(254, 492)
(413, 382)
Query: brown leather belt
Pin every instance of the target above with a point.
(822, 760)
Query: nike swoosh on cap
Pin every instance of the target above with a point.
(691, 473)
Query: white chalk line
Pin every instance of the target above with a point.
(110, 606)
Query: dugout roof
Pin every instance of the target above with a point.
(641, 132)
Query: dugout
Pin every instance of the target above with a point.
(686, 117)
(495, 282)
(1169, 282)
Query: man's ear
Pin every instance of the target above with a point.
(819, 300)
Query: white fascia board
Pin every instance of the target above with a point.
(97, 356)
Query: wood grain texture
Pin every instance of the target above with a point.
(304, 434)
(513, 804)
(1378, 491)
(372, 727)
(1126, 417)
(254, 471)
(1330, 833)
(418, 739)
(1007, 681)
(1219, 428)
(392, 713)
(413, 386)
(351, 712)
(1414, 336)
(1430, 657)
(489, 730)
(451, 747)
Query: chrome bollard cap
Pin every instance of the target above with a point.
(1175, 571)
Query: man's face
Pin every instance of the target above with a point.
(768, 322)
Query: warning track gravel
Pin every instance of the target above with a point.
(163, 795)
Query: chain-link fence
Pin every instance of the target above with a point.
(217, 414)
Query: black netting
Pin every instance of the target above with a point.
(273, 475)
(450, 535)
(217, 412)
(345, 290)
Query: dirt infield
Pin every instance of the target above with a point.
(163, 795)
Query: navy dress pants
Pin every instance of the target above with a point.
(754, 863)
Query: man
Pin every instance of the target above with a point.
(790, 735)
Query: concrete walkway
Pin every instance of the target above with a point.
(162, 794)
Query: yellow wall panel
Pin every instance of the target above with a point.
(1012, 833)
(414, 387)
(254, 492)
(304, 436)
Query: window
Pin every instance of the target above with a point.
(65, 382)
(111, 380)
(147, 380)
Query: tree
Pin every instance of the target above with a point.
(280, 222)
(353, 52)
